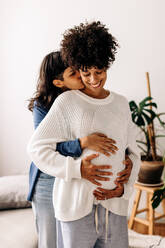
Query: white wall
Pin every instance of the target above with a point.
(30, 29)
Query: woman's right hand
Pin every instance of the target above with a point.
(93, 172)
(100, 143)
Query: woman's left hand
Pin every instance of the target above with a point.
(125, 174)
(104, 194)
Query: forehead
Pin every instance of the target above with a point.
(68, 70)
(91, 69)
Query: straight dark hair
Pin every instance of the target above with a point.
(52, 67)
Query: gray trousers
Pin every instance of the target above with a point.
(110, 232)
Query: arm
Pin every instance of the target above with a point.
(70, 148)
(123, 176)
(43, 143)
(96, 141)
(134, 155)
(73, 148)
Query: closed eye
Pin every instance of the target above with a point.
(72, 74)
(98, 72)
(86, 75)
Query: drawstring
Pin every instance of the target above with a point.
(106, 222)
(106, 225)
(96, 218)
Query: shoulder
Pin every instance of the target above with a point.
(39, 108)
(120, 99)
(69, 94)
(39, 113)
(121, 104)
(66, 98)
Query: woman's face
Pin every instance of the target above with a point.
(94, 80)
(72, 79)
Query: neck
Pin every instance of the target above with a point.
(98, 95)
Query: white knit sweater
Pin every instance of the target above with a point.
(75, 115)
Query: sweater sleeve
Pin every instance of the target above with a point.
(70, 148)
(134, 155)
(43, 143)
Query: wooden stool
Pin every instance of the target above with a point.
(151, 214)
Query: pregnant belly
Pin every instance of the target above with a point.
(115, 160)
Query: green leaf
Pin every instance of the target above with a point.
(153, 104)
(153, 114)
(140, 121)
(133, 105)
(156, 202)
(147, 118)
(148, 98)
(158, 196)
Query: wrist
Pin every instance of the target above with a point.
(83, 142)
(122, 192)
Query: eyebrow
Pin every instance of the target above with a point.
(85, 69)
(71, 71)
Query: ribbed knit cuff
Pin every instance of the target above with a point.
(73, 169)
(77, 169)
(128, 190)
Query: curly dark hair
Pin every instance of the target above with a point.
(89, 45)
(52, 67)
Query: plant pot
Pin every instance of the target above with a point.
(150, 172)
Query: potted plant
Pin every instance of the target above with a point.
(143, 115)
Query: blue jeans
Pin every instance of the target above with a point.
(44, 211)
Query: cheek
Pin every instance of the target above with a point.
(70, 83)
(104, 77)
(85, 80)
(76, 83)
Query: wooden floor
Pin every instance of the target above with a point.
(159, 229)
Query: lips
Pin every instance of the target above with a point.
(96, 85)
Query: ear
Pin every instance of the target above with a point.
(58, 83)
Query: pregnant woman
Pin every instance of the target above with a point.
(54, 79)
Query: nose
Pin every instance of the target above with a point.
(93, 78)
